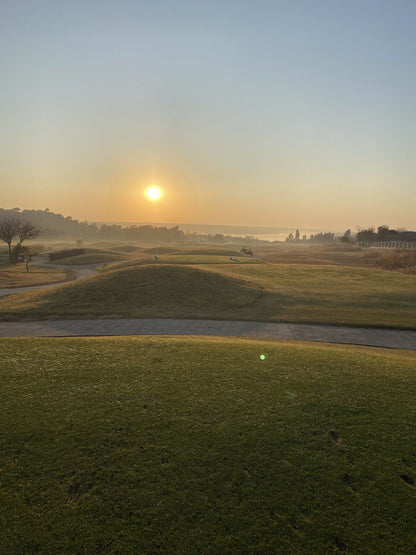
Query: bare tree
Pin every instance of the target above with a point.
(27, 231)
(9, 229)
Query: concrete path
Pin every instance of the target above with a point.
(394, 339)
(81, 270)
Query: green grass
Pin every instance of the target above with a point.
(332, 294)
(263, 292)
(205, 259)
(173, 445)
(186, 258)
(168, 255)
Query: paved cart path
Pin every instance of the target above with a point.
(395, 339)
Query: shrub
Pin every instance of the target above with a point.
(396, 259)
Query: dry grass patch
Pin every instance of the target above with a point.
(16, 275)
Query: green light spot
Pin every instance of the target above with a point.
(262, 357)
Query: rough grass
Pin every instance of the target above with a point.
(16, 275)
(393, 260)
(141, 445)
(262, 292)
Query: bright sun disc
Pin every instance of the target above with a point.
(153, 193)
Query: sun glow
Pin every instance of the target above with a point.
(153, 193)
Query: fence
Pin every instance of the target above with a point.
(394, 244)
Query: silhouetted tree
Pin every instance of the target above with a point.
(383, 232)
(346, 238)
(322, 237)
(9, 229)
(366, 236)
(27, 230)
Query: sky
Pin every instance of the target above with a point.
(278, 113)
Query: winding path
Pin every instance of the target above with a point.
(80, 271)
(394, 339)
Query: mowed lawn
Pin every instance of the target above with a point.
(184, 445)
(324, 294)
(332, 294)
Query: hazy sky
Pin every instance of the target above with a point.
(288, 113)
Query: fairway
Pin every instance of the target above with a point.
(203, 283)
(184, 445)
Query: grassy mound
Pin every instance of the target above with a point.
(148, 445)
(160, 250)
(91, 258)
(127, 248)
(212, 251)
(143, 291)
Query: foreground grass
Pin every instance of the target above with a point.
(253, 291)
(15, 275)
(140, 445)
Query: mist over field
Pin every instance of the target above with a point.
(263, 233)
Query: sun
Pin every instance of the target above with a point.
(153, 193)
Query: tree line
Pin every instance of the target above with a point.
(58, 227)
(363, 236)
(313, 238)
(383, 233)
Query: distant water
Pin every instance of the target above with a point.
(272, 236)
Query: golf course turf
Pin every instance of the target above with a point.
(251, 291)
(186, 445)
